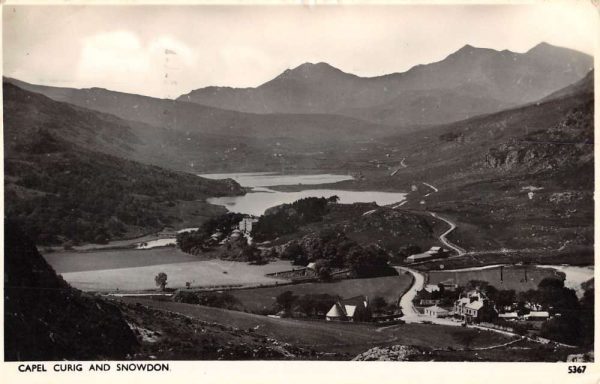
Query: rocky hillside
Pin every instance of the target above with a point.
(46, 319)
(522, 178)
(167, 335)
(568, 144)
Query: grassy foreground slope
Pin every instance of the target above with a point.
(343, 341)
(46, 319)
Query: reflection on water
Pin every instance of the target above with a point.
(157, 243)
(266, 179)
(262, 198)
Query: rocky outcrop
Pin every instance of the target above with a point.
(392, 353)
(568, 144)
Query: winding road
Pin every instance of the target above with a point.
(410, 313)
(443, 238)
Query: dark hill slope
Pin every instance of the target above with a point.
(63, 180)
(195, 138)
(46, 319)
(469, 82)
(193, 118)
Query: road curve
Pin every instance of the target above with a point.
(443, 238)
(406, 301)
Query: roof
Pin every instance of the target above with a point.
(463, 301)
(418, 256)
(356, 300)
(436, 309)
(538, 314)
(347, 307)
(435, 249)
(475, 305)
(431, 288)
(312, 265)
(335, 311)
(350, 309)
(508, 315)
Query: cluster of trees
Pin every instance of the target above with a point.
(198, 241)
(380, 306)
(210, 299)
(91, 197)
(332, 249)
(309, 305)
(575, 325)
(286, 218)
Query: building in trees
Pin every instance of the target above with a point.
(475, 306)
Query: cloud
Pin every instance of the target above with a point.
(120, 59)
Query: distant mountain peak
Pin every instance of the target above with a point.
(542, 46)
(468, 50)
(320, 64)
(314, 67)
(315, 71)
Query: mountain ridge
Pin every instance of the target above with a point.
(498, 79)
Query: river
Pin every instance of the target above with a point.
(261, 197)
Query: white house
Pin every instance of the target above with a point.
(435, 311)
(245, 226)
(537, 315)
(472, 305)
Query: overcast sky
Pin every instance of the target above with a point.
(166, 51)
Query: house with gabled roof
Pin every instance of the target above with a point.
(473, 306)
(352, 309)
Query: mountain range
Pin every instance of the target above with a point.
(469, 82)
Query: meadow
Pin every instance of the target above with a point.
(519, 278)
(388, 287)
(134, 270)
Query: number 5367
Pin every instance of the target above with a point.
(577, 368)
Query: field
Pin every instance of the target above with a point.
(74, 261)
(341, 338)
(519, 278)
(132, 270)
(389, 287)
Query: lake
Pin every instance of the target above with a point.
(269, 179)
(261, 197)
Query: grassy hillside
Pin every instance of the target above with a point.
(65, 181)
(263, 300)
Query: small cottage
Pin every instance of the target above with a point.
(352, 309)
(435, 311)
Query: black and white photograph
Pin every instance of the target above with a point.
(354, 182)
